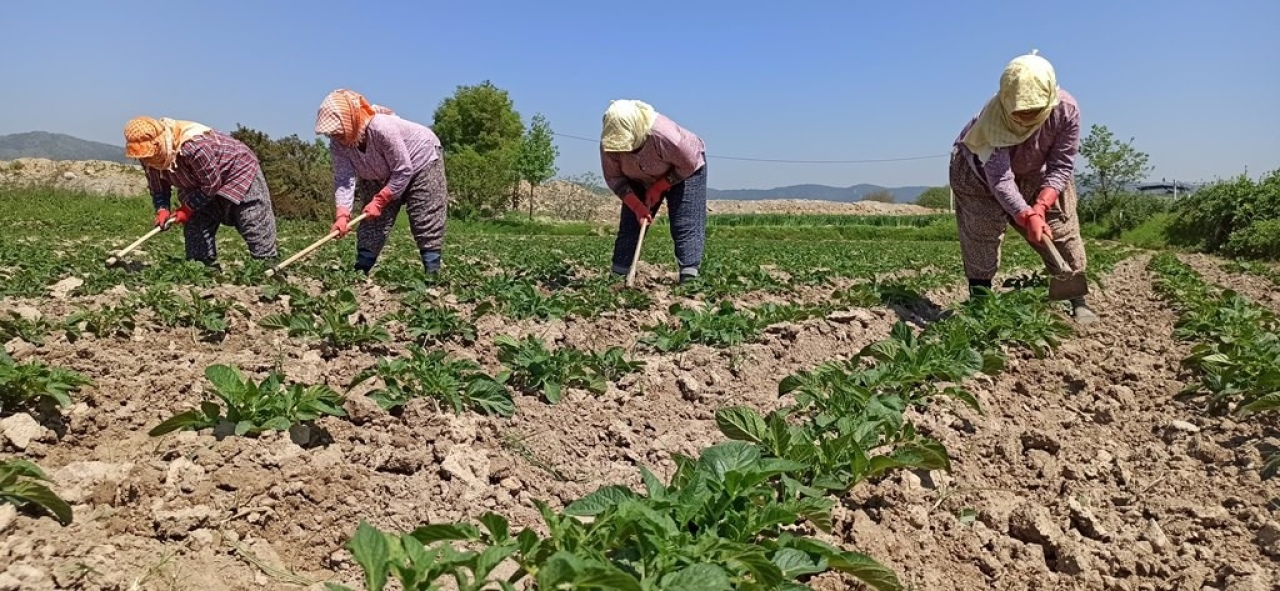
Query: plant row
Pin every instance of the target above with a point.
(742, 514)
(1237, 351)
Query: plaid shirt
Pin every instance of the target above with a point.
(671, 152)
(209, 165)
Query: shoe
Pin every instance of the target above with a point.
(1083, 314)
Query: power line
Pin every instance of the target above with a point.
(782, 160)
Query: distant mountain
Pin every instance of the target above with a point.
(57, 146)
(817, 193)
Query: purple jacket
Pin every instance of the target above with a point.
(394, 151)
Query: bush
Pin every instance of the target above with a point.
(1238, 217)
(1114, 215)
(935, 197)
(299, 174)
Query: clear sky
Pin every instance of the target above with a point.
(1196, 83)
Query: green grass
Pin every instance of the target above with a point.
(54, 234)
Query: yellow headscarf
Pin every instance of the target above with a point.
(626, 125)
(1028, 82)
(156, 141)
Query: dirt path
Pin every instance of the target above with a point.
(1085, 474)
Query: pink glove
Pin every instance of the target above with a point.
(379, 201)
(654, 194)
(1045, 200)
(340, 220)
(642, 212)
(1033, 222)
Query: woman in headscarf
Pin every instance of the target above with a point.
(1015, 161)
(646, 158)
(391, 163)
(219, 182)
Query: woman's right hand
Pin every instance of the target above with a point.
(341, 219)
(641, 211)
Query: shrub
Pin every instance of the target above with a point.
(1235, 217)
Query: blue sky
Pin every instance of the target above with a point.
(1195, 83)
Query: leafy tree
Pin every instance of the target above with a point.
(481, 134)
(299, 174)
(1112, 164)
(935, 197)
(479, 183)
(536, 162)
(480, 117)
(881, 196)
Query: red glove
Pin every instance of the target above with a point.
(183, 214)
(1045, 200)
(379, 201)
(340, 220)
(1033, 223)
(162, 216)
(654, 194)
(643, 214)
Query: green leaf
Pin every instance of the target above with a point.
(497, 526)
(490, 397)
(244, 427)
(44, 497)
(192, 419)
(439, 532)
(600, 501)
(729, 456)
(698, 577)
(552, 392)
(211, 410)
(795, 563)
(276, 424)
(225, 378)
(742, 423)
(372, 552)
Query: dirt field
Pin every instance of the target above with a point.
(1084, 473)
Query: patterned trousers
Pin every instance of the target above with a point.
(253, 218)
(687, 207)
(982, 222)
(427, 201)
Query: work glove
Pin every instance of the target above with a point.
(162, 216)
(183, 214)
(379, 201)
(643, 214)
(1033, 223)
(341, 218)
(1045, 200)
(654, 194)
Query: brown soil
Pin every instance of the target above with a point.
(1083, 474)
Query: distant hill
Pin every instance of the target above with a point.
(57, 146)
(817, 192)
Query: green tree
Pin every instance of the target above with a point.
(882, 196)
(481, 133)
(935, 197)
(480, 117)
(536, 162)
(1112, 164)
(479, 183)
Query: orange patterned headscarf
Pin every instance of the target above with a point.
(155, 142)
(345, 114)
